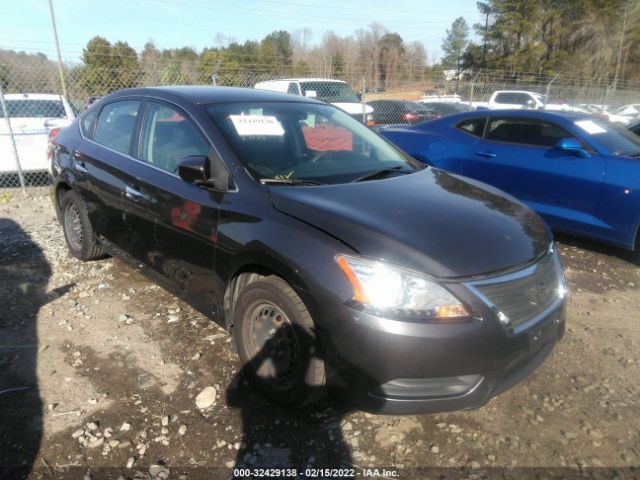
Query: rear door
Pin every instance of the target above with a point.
(517, 155)
(101, 164)
(185, 216)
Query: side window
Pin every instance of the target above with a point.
(168, 137)
(293, 89)
(526, 131)
(115, 125)
(473, 126)
(88, 122)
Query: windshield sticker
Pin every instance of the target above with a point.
(590, 126)
(257, 125)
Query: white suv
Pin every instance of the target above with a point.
(33, 117)
(335, 92)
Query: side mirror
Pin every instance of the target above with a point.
(194, 169)
(209, 172)
(571, 145)
(359, 95)
(531, 103)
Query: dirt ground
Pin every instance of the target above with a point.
(100, 370)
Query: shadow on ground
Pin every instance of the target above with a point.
(24, 274)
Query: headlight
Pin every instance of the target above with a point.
(386, 288)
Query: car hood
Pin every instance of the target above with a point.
(431, 221)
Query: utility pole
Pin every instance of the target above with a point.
(55, 37)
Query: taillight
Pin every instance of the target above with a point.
(370, 121)
(409, 117)
(52, 141)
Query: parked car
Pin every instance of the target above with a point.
(398, 112)
(350, 268)
(579, 172)
(625, 114)
(442, 109)
(34, 117)
(524, 100)
(335, 92)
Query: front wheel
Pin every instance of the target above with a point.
(276, 341)
(77, 228)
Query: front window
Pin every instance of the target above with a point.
(305, 141)
(168, 137)
(330, 92)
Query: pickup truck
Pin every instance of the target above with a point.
(522, 100)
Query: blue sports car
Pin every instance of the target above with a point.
(580, 173)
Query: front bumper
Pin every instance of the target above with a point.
(395, 367)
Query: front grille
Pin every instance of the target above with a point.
(521, 296)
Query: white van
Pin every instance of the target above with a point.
(33, 116)
(335, 92)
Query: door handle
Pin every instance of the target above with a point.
(486, 154)
(133, 194)
(78, 162)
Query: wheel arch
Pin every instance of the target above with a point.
(253, 267)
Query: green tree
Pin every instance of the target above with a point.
(338, 66)
(455, 43)
(276, 50)
(108, 67)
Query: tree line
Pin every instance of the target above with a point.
(594, 39)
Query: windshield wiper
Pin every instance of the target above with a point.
(383, 172)
(288, 181)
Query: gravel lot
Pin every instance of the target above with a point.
(100, 370)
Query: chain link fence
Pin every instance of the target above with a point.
(33, 107)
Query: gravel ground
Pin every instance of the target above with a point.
(102, 374)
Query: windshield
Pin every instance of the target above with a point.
(305, 141)
(618, 139)
(34, 109)
(330, 92)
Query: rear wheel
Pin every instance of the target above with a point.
(77, 228)
(276, 341)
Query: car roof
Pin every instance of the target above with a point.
(209, 94)
(32, 96)
(540, 114)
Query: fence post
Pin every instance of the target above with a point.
(364, 108)
(546, 96)
(473, 85)
(5, 113)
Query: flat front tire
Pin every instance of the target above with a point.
(78, 232)
(276, 340)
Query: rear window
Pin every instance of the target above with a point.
(330, 92)
(28, 108)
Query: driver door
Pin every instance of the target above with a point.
(518, 155)
(186, 216)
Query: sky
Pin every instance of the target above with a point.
(26, 24)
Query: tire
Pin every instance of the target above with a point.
(276, 340)
(78, 232)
